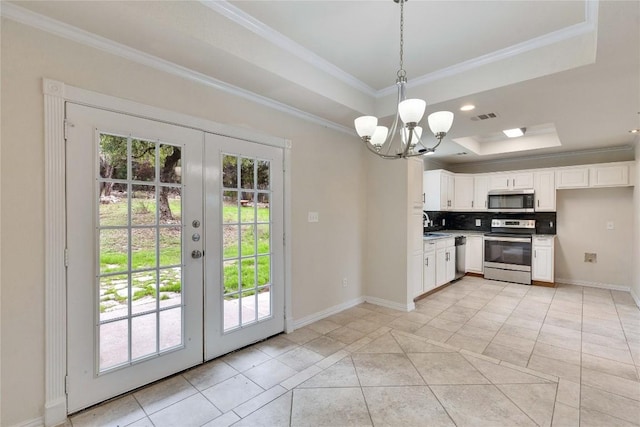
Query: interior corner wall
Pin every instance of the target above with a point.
(328, 175)
(582, 217)
(635, 280)
(386, 253)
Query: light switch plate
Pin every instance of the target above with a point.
(314, 217)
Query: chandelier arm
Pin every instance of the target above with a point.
(382, 155)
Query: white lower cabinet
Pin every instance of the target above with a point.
(474, 254)
(445, 261)
(542, 262)
(429, 267)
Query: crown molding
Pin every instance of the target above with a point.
(61, 29)
(589, 25)
(247, 21)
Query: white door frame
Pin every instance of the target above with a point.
(56, 94)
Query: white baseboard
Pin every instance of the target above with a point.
(36, 422)
(304, 321)
(390, 304)
(594, 284)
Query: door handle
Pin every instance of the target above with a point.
(196, 254)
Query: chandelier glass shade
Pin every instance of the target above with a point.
(404, 138)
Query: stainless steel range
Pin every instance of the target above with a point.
(507, 250)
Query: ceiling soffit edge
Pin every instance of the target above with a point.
(278, 39)
(588, 26)
(247, 21)
(69, 32)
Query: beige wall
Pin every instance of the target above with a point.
(635, 280)
(386, 255)
(582, 217)
(328, 176)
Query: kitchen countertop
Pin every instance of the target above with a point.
(443, 234)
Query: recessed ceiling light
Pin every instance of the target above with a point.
(514, 133)
(467, 107)
(635, 130)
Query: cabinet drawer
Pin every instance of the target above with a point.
(429, 246)
(542, 241)
(445, 243)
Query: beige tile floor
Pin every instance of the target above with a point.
(477, 353)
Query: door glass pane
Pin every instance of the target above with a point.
(247, 173)
(170, 246)
(143, 291)
(139, 232)
(170, 287)
(143, 205)
(246, 248)
(170, 164)
(170, 328)
(143, 160)
(143, 248)
(114, 250)
(114, 350)
(114, 296)
(143, 336)
(248, 245)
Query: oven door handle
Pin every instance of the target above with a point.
(508, 239)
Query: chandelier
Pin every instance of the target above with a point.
(404, 139)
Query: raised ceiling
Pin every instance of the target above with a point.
(571, 68)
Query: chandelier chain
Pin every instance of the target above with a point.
(401, 72)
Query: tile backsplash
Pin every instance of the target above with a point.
(545, 221)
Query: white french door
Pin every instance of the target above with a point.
(175, 250)
(244, 211)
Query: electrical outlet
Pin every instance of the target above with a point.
(478, 222)
(443, 221)
(590, 257)
(314, 217)
(344, 282)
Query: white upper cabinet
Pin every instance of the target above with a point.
(439, 187)
(480, 191)
(511, 181)
(463, 197)
(609, 175)
(545, 190)
(572, 178)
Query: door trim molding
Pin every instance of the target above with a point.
(56, 93)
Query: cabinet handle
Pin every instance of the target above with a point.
(535, 254)
(426, 262)
(472, 203)
(538, 202)
(423, 198)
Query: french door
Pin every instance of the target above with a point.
(173, 250)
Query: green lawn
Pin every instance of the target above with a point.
(239, 272)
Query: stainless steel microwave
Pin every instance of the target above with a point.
(511, 201)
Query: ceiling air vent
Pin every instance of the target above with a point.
(484, 117)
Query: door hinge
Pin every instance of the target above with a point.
(67, 125)
(66, 257)
(66, 384)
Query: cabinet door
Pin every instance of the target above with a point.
(500, 181)
(545, 191)
(572, 178)
(474, 254)
(521, 181)
(414, 184)
(441, 266)
(432, 188)
(447, 190)
(480, 190)
(451, 263)
(542, 264)
(429, 271)
(609, 176)
(463, 196)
